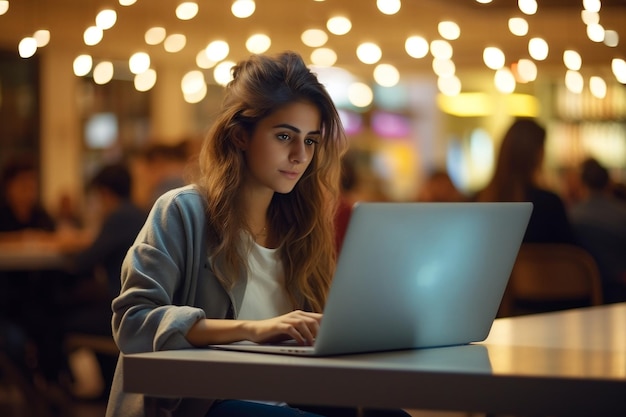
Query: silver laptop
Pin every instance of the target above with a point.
(415, 275)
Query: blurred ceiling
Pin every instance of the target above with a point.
(482, 25)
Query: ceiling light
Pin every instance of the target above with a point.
(518, 26)
(416, 46)
(449, 86)
(323, 57)
(444, 67)
(528, 7)
(592, 5)
(155, 35)
(92, 35)
(203, 61)
(574, 81)
(146, 80)
(597, 86)
(572, 60)
(106, 19)
(82, 65)
(538, 49)
(27, 47)
(526, 70)
(388, 7)
(360, 94)
(139, 62)
(339, 25)
(441, 49)
(187, 10)
(103, 72)
(197, 96)
(504, 80)
(4, 6)
(595, 32)
(449, 30)
(611, 38)
(175, 42)
(386, 75)
(258, 43)
(314, 38)
(243, 8)
(368, 53)
(192, 82)
(618, 66)
(223, 72)
(217, 50)
(42, 36)
(127, 2)
(493, 57)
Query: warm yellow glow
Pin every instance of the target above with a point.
(323, 57)
(493, 57)
(595, 32)
(449, 30)
(528, 7)
(258, 43)
(369, 53)
(416, 46)
(139, 62)
(360, 94)
(42, 37)
(103, 72)
(449, 86)
(572, 60)
(481, 104)
(187, 10)
(4, 6)
(106, 19)
(521, 105)
(339, 25)
(465, 104)
(217, 50)
(597, 86)
(146, 80)
(27, 47)
(222, 73)
(155, 35)
(611, 38)
(82, 65)
(518, 26)
(441, 49)
(388, 7)
(386, 75)
(92, 35)
(243, 8)
(175, 42)
(314, 38)
(538, 49)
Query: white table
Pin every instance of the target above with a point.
(570, 363)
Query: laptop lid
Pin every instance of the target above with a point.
(415, 275)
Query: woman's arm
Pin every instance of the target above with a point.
(299, 325)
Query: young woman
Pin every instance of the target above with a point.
(247, 252)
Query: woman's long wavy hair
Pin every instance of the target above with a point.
(520, 157)
(302, 219)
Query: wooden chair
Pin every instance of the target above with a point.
(549, 277)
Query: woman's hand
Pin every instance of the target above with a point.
(299, 325)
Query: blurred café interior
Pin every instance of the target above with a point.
(421, 85)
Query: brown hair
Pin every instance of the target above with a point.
(520, 156)
(303, 218)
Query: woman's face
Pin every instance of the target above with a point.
(281, 147)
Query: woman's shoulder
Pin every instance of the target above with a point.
(188, 199)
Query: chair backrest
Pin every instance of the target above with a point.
(555, 272)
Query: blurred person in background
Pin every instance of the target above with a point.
(165, 165)
(97, 267)
(20, 207)
(517, 177)
(599, 220)
(439, 187)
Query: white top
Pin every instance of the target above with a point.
(265, 295)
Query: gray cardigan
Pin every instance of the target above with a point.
(167, 286)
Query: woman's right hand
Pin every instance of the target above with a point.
(302, 326)
(299, 325)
